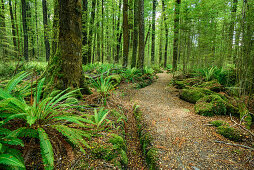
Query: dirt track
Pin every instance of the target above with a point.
(183, 139)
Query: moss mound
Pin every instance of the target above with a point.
(218, 123)
(213, 85)
(186, 83)
(115, 79)
(211, 105)
(230, 133)
(194, 94)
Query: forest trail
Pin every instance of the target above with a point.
(182, 137)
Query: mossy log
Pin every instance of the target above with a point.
(194, 94)
(213, 85)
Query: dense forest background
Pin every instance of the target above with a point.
(184, 34)
(71, 73)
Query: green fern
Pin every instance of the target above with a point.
(8, 159)
(46, 149)
(100, 116)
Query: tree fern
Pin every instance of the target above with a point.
(46, 149)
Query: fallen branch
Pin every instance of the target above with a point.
(232, 144)
(241, 126)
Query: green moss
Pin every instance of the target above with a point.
(213, 85)
(230, 133)
(191, 95)
(244, 114)
(211, 105)
(218, 123)
(118, 142)
(151, 158)
(179, 84)
(124, 157)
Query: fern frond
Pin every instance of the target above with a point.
(16, 153)
(74, 119)
(4, 131)
(12, 141)
(32, 133)
(74, 135)
(15, 81)
(46, 149)
(8, 159)
(15, 133)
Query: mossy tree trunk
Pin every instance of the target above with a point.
(65, 68)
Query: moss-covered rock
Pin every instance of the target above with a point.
(194, 94)
(211, 105)
(213, 85)
(179, 84)
(230, 133)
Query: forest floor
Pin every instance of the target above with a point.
(183, 139)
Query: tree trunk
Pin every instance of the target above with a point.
(45, 23)
(140, 63)
(2, 30)
(13, 28)
(153, 32)
(65, 68)
(102, 30)
(166, 35)
(135, 34)
(55, 27)
(125, 33)
(24, 19)
(119, 34)
(176, 30)
(90, 39)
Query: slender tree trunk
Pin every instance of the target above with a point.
(98, 36)
(90, 39)
(161, 40)
(176, 30)
(119, 34)
(13, 27)
(166, 35)
(153, 32)
(36, 29)
(24, 19)
(102, 30)
(125, 33)
(135, 34)
(55, 28)
(140, 63)
(2, 31)
(84, 31)
(45, 23)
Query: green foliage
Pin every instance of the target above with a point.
(8, 156)
(209, 73)
(230, 133)
(102, 84)
(218, 123)
(44, 113)
(245, 115)
(99, 116)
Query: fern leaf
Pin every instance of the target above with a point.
(8, 159)
(46, 149)
(12, 141)
(15, 133)
(4, 131)
(32, 133)
(15, 81)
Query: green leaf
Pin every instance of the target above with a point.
(46, 149)
(8, 159)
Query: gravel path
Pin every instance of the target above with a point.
(183, 139)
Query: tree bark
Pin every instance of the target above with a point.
(166, 35)
(45, 23)
(125, 33)
(119, 34)
(13, 28)
(135, 34)
(65, 68)
(176, 31)
(90, 39)
(25, 33)
(153, 32)
(2, 30)
(140, 63)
